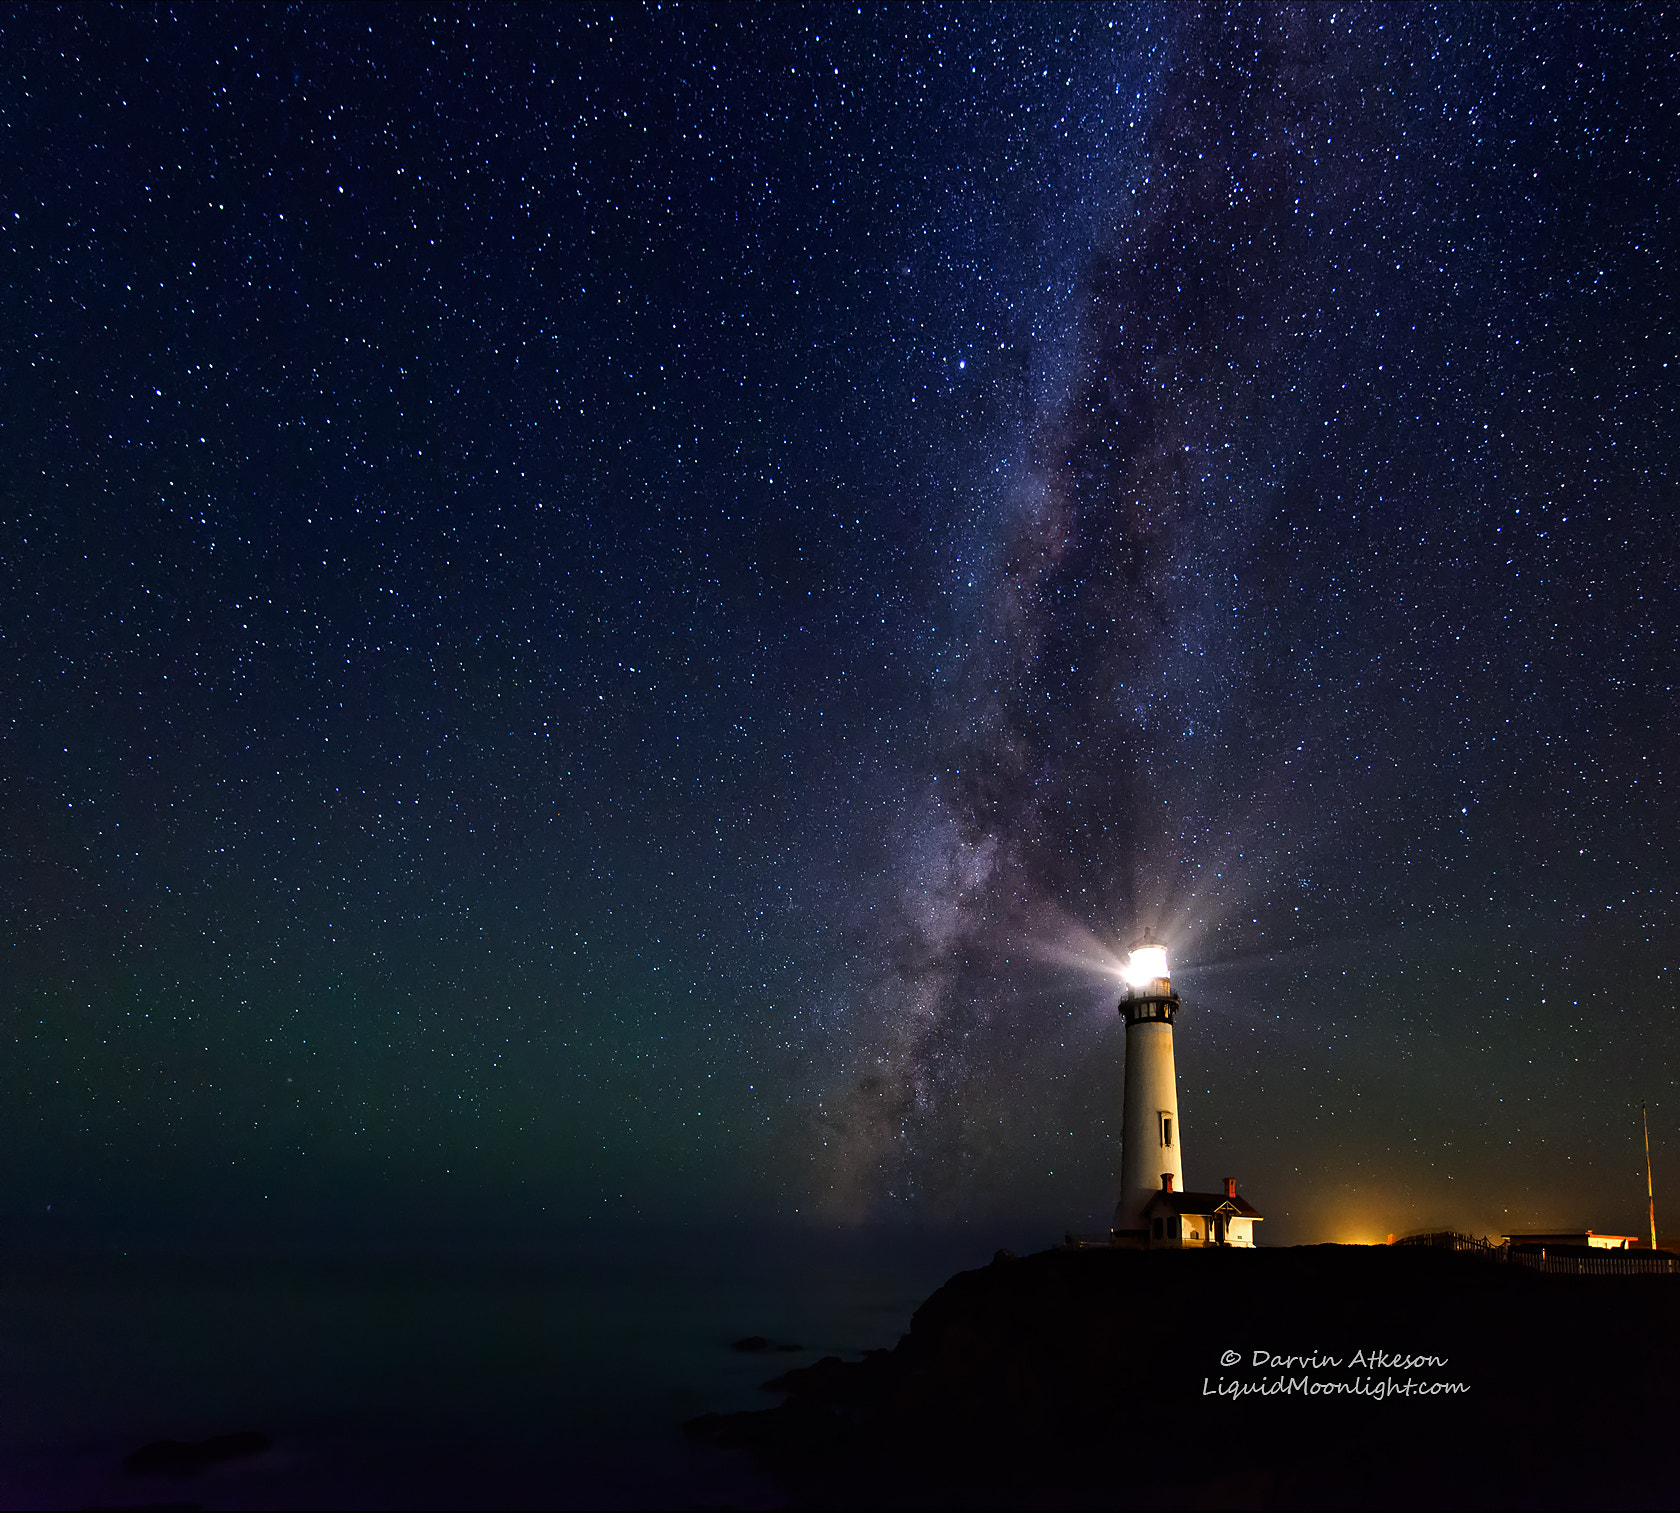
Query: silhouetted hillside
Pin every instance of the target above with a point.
(1096, 1378)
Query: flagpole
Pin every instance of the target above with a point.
(1650, 1195)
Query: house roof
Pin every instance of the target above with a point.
(1563, 1236)
(1202, 1203)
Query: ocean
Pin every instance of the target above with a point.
(476, 1374)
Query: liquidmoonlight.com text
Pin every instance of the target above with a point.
(1365, 1373)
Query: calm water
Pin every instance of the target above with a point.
(551, 1381)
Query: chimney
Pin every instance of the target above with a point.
(1166, 1182)
(1230, 1187)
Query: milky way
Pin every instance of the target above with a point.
(620, 612)
(1203, 684)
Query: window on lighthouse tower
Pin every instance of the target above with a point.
(1166, 1130)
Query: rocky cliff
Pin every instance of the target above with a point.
(1323, 1376)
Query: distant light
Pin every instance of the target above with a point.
(1145, 964)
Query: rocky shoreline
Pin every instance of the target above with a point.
(1318, 1376)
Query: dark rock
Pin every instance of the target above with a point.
(174, 1457)
(706, 1426)
(1004, 1256)
(834, 1381)
(752, 1344)
(805, 1378)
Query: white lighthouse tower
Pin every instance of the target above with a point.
(1152, 1153)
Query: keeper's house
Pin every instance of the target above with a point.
(1582, 1237)
(1176, 1221)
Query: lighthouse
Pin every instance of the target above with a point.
(1152, 1150)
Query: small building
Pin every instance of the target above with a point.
(1177, 1221)
(1585, 1238)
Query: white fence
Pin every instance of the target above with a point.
(1557, 1261)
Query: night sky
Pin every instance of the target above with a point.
(618, 614)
